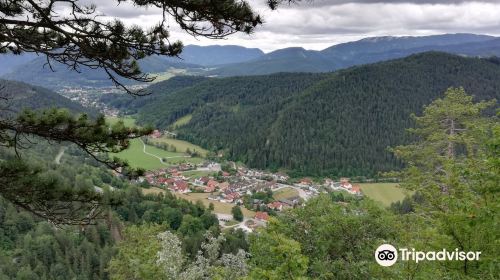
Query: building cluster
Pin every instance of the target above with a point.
(343, 185)
(239, 187)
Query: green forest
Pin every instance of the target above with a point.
(338, 124)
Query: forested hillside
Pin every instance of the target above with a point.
(20, 96)
(130, 104)
(337, 124)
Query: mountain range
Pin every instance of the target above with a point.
(324, 124)
(226, 61)
(361, 52)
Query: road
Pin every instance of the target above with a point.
(159, 158)
(57, 160)
(229, 218)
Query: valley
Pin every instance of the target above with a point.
(241, 164)
(165, 168)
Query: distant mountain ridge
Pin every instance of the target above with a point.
(364, 51)
(228, 60)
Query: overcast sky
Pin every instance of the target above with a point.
(319, 24)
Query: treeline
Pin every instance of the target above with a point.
(337, 124)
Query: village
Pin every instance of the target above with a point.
(263, 193)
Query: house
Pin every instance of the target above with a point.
(305, 182)
(344, 182)
(356, 190)
(202, 181)
(231, 197)
(280, 177)
(212, 183)
(180, 186)
(165, 181)
(209, 189)
(261, 216)
(211, 186)
(225, 174)
(276, 205)
(328, 182)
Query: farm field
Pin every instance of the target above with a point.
(385, 193)
(137, 158)
(285, 193)
(163, 76)
(181, 145)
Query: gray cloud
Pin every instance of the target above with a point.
(341, 2)
(318, 24)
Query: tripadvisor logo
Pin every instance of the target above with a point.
(387, 255)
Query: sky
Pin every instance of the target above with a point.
(318, 24)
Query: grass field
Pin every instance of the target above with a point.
(285, 193)
(137, 158)
(163, 76)
(181, 145)
(385, 193)
(127, 120)
(182, 121)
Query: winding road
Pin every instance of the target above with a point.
(159, 158)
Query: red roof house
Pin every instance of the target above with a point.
(262, 216)
(276, 205)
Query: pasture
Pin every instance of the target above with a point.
(385, 193)
(285, 193)
(180, 145)
(149, 161)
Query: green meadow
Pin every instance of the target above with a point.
(385, 193)
(136, 157)
(180, 145)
